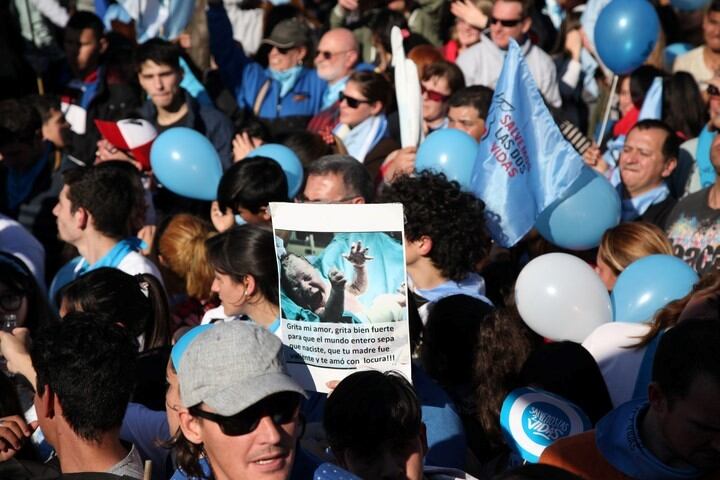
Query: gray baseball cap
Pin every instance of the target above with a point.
(232, 366)
(289, 33)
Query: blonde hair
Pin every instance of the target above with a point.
(627, 242)
(182, 248)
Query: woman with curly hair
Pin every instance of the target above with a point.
(445, 237)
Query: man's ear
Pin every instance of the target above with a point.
(669, 167)
(265, 214)
(47, 402)
(103, 44)
(425, 245)
(82, 218)
(303, 53)
(352, 58)
(190, 427)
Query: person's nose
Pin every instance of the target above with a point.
(215, 287)
(268, 432)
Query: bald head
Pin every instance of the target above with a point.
(337, 54)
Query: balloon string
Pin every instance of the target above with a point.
(601, 135)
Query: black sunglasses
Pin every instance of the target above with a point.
(505, 23)
(10, 301)
(713, 91)
(281, 407)
(351, 102)
(327, 55)
(283, 50)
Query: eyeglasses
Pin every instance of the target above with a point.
(10, 301)
(351, 102)
(713, 91)
(282, 408)
(505, 23)
(433, 95)
(327, 55)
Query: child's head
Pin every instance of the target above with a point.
(249, 186)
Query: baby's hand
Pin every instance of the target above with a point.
(337, 279)
(358, 255)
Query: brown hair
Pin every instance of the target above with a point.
(182, 247)
(627, 242)
(705, 289)
(373, 86)
(424, 55)
(449, 71)
(504, 343)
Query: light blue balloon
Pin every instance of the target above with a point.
(289, 162)
(186, 163)
(579, 218)
(689, 5)
(647, 285)
(449, 151)
(625, 34)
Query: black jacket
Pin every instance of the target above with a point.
(207, 120)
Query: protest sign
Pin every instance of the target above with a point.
(343, 296)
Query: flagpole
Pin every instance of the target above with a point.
(601, 135)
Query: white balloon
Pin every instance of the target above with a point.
(561, 297)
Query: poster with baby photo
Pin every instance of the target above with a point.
(343, 298)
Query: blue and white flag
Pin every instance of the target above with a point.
(652, 105)
(524, 163)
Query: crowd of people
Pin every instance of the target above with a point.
(141, 330)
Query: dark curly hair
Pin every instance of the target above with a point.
(90, 366)
(453, 219)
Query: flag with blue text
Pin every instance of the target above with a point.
(524, 163)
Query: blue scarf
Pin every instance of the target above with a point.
(360, 139)
(331, 93)
(79, 266)
(473, 286)
(634, 207)
(286, 78)
(19, 184)
(702, 157)
(618, 439)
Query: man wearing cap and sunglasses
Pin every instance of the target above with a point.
(482, 63)
(242, 407)
(286, 94)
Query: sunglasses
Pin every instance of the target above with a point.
(327, 55)
(10, 302)
(283, 50)
(282, 408)
(433, 95)
(713, 91)
(505, 23)
(351, 102)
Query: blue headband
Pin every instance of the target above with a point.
(184, 342)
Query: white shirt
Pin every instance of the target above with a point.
(135, 263)
(482, 63)
(618, 364)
